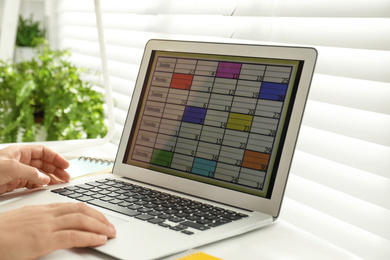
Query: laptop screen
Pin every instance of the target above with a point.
(216, 119)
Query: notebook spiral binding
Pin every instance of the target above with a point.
(96, 160)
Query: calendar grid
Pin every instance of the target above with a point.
(217, 119)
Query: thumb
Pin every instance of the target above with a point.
(31, 174)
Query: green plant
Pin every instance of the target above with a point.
(49, 92)
(29, 33)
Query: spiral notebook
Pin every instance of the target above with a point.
(88, 166)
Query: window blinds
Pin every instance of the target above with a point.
(340, 181)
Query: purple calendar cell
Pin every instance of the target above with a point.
(229, 70)
(194, 115)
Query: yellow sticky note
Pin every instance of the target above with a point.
(199, 256)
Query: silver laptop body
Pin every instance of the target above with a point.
(214, 123)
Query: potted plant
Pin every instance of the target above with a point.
(29, 35)
(48, 91)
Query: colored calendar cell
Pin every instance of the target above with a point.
(204, 167)
(255, 160)
(229, 70)
(273, 91)
(194, 115)
(181, 81)
(239, 122)
(161, 157)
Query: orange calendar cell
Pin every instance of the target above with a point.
(255, 160)
(181, 81)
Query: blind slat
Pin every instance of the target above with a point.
(340, 233)
(356, 153)
(352, 181)
(359, 213)
(350, 92)
(318, 8)
(356, 123)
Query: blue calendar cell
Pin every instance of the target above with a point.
(204, 167)
(273, 91)
(194, 115)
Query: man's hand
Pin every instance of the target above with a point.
(30, 166)
(34, 231)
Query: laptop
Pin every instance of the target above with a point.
(206, 147)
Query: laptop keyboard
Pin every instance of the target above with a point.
(160, 208)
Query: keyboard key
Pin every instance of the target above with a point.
(176, 219)
(67, 192)
(219, 222)
(115, 201)
(73, 188)
(58, 190)
(194, 225)
(93, 183)
(231, 216)
(125, 204)
(84, 198)
(164, 225)
(75, 195)
(116, 208)
(144, 210)
(84, 186)
(97, 196)
(156, 220)
(135, 207)
(104, 192)
(144, 217)
(178, 227)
